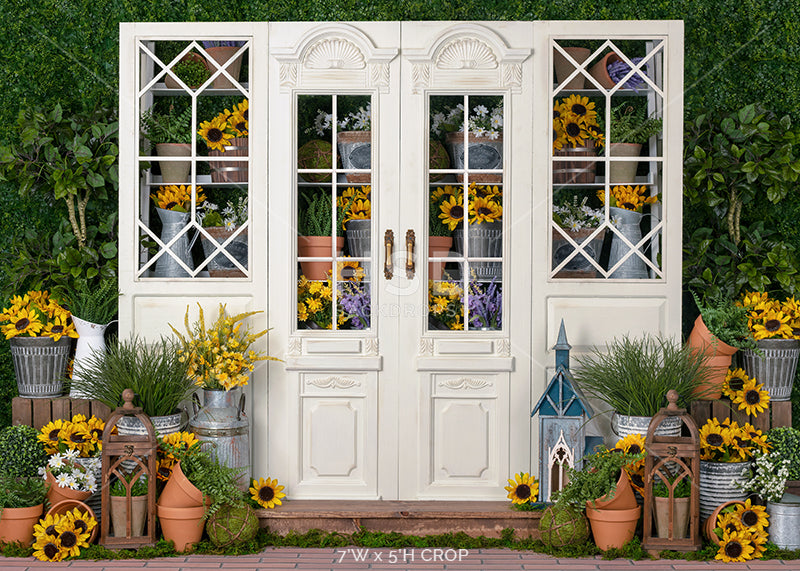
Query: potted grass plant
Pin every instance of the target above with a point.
(154, 371)
(171, 133)
(314, 233)
(21, 505)
(632, 376)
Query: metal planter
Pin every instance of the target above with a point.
(717, 484)
(40, 365)
(776, 368)
(784, 522)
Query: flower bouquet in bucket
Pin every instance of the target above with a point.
(226, 134)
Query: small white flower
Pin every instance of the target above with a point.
(91, 488)
(211, 206)
(71, 454)
(56, 461)
(497, 121)
(493, 134)
(63, 480)
(230, 225)
(42, 471)
(481, 110)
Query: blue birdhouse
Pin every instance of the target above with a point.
(563, 413)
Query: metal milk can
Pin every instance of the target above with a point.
(222, 420)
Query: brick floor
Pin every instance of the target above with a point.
(356, 559)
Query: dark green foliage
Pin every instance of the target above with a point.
(314, 217)
(728, 322)
(630, 124)
(785, 443)
(98, 305)
(21, 492)
(170, 126)
(599, 477)
(21, 453)
(192, 72)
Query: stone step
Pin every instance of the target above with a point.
(474, 518)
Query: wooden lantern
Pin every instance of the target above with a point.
(134, 455)
(670, 460)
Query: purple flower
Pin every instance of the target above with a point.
(619, 69)
(485, 305)
(222, 44)
(354, 303)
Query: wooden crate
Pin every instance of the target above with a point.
(38, 412)
(778, 413)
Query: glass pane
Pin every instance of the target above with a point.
(445, 304)
(315, 300)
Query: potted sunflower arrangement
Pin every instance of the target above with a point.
(226, 134)
(576, 133)
(61, 535)
(738, 528)
(484, 227)
(40, 332)
(173, 203)
(445, 305)
(775, 326)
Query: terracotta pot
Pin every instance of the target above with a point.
(623, 172)
(317, 247)
(183, 526)
(222, 55)
(68, 505)
(179, 492)
(564, 67)
(711, 522)
(438, 247)
(680, 517)
(56, 494)
(599, 71)
(170, 83)
(16, 524)
(613, 528)
(623, 499)
(719, 358)
(119, 515)
(174, 172)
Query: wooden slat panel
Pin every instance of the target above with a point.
(700, 411)
(61, 409)
(781, 413)
(100, 410)
(762, 421)
(21, 411)
(41, 412)
(81, 406)
(720, 410)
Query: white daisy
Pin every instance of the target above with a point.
(56, 461)
(71, 454)
(481, 110)
(63, 480)
(493, 134)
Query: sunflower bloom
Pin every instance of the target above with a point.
(23, 321)
(452, 212)
(772, 325)
(484, 210)
(633, 444)
(736, 547)
(71, 537)
(525, 489)
(752, 517)
(215, 133)
(346, 271)
(752, 399)
(50, 435)
(734, 382)
(48, 549)
(581, 107)
(267, 492)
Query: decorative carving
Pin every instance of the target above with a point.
(466, 53)
(295, 346)
(334, 382)
(420, 76)
(426, 346)
(512, 75)
(465, 383)
(288, 75)
(371, 346)
(503, 347)
(334, 53)
(379, 74)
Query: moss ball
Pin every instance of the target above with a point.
(315, 154)
(439, 159)
(563, 525)
(230, 525)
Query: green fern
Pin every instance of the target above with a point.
(97, 306)
(169, 127)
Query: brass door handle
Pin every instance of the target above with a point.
(388, 242)
(410, 239)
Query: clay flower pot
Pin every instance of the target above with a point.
(56, 494)
(623, 499)
(623, 172)
(68, 505)
(16, 524)
(179, 492)
(599, 71)
(719, 358)
(183, 526)
(317, 247)
(680, 517)
(711, 522)
(438, 247)
(564, 67)
(613, 528)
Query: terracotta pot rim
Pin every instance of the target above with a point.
(192, 512)
(628, 514)
(22, 513)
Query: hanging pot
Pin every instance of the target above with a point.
(628, 224)
(16, 524)
(222, 421)
(564, 67)
(172, 224)
(438, 247)
(222, 55)
(183, 526)
(355, 150)
(717, 484)
(90, 340)
(623, 172)
(40, 365)
(179, 492)
(710, 523)
(776, 368)
(718, 360)
(220, 266)
(230, 171)
(174, 172)
(579, 266)
(784, 522)
(119, 515)
(622, 499)
(680, 517)
(613, 528)
(65, 506)
(484, 154)
(317, 247)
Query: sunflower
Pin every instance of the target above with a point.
(713, 437)
(452, 212)
(447, 190)
(772, 324)
(215, 134)
(48, 549)
(243, 109)
(736, 547)
(348, 271)
(484, 191)
(734, 381)
(524, 490)
(729, 522)
(756, 436)
(633, 444)
(574, 131)
(77, 436)
(46, 528)
(752, 399)
(82, 522)
(23, 321)
(750, 299)
(628, 197)
(752, 517)
(182, 439)
(559, 139)
(72, 536)
(164, 468)
(267, 492)
(484, 210)
(239, 124)
(758, 539)
(359, 210)
(50, 435)
(96, 426)
(581, 107)
(61, 326)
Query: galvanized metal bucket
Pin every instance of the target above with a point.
(624, 425)
(784, 522)
(163, 425)
(223, 422)
(485, 240)
(717, 484)
(776, 368)
(173, 224)
(628, 225)
(40, 365)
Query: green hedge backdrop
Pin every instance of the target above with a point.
(736, 52)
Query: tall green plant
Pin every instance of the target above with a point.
(633, 375)
(155, 372)
(314, 217)
(171, 126)
(98, 305)
(632, 125)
